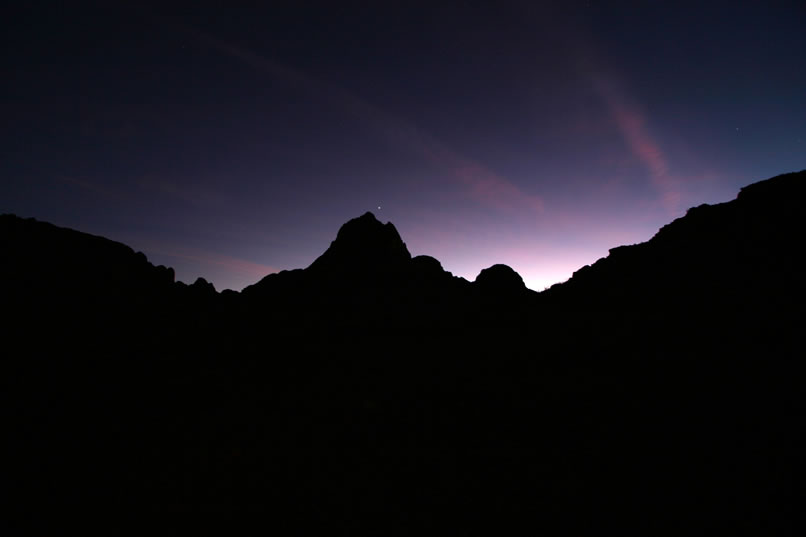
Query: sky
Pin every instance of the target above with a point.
(232, 142)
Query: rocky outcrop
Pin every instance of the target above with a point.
(363, 245)
(500, 279)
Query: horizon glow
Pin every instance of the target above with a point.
(231, 143)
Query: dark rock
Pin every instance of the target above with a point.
(500, 279)
(40, 258)
(428, 271)
(165, 274)
(203, 286)
(363, 244)
(426, 264)
(659, 389)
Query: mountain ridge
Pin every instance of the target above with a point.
(362, 236)
(659, 389)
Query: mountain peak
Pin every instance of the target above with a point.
(362, 224)
(364, 242)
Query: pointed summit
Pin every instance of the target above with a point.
(364, 243)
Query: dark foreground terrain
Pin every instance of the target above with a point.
(659, 391)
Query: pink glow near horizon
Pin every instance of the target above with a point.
(541, 262)
(238, 266)
(466, 253)
(226, 272)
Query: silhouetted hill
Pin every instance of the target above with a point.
(730, 248)
(363, 245)
(366, 268)
(731, 268)
(658, 391)
(38, 255)
(365, 254)
(500, 279)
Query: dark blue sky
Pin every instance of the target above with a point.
(230, 142)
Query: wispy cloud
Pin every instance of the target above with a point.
(631, 123)
(233, 264)
(92, 186)
(479, 182)
(590, 62)
(194, 194)
(205, 259)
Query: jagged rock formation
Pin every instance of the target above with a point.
(658, 390)
(363, 245)
(366, 269)
(366, 254)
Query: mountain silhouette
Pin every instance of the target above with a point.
(366, 254)
(721, 248)
(657, 390)
(364, 244)
(500, 279)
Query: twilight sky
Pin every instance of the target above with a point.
(233, 142)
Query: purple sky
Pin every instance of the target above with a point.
(230, 143)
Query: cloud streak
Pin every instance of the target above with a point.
(478, 181)
(207, 258)
(233, 264)
(631, 123)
